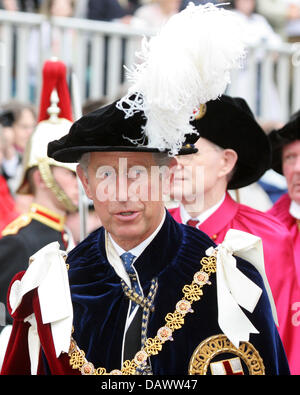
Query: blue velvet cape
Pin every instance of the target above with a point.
(100, 306)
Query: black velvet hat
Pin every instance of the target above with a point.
(281, 137)
(107, 129)
(229, 123)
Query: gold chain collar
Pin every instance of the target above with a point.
(152, 346)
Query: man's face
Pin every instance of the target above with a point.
(199, 172)
(122, 189)
(67, 180)
(291, 169)
(23, 128)
(246, 7)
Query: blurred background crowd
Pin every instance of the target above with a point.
(280, 16)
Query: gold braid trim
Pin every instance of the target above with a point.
(152, 346)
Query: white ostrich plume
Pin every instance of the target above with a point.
(185, 65)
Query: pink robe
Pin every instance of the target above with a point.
(279, 263)
(280, 210)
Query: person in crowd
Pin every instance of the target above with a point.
(257, 32)
(157, 12)
(58, 8)
(233, 152)
(20, 121)
(258, 28)
(144, 296)
(285, 147)
(108, 10)
(20, 5)
(274, 185)
(30, 5)
(7, 135)
(154, 13)
(7, 204)
(284, 16)
(9, 5)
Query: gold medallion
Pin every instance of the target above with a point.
(216, 355)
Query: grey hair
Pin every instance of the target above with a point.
(84, 162)
(162, 158)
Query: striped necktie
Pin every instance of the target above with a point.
(127, 259)
(133, 335)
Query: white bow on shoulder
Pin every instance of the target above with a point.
(234, 289)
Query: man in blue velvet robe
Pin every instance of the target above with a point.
(152, 312)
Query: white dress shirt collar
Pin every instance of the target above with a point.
(137, 251)
(203, 216)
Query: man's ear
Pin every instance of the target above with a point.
(230, 158)
(84, 180)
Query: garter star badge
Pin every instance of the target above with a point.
(216, 355)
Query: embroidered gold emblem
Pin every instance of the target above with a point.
(212, 348)
(174, 320)
(129, 368)
(77, 359)
(208, 264)
(19, 223)
(153, 346)
(192, 292)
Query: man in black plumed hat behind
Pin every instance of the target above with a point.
(234, 152)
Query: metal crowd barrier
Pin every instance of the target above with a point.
(96, 51)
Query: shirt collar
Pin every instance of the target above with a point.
(137, 251)
(203, 216)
